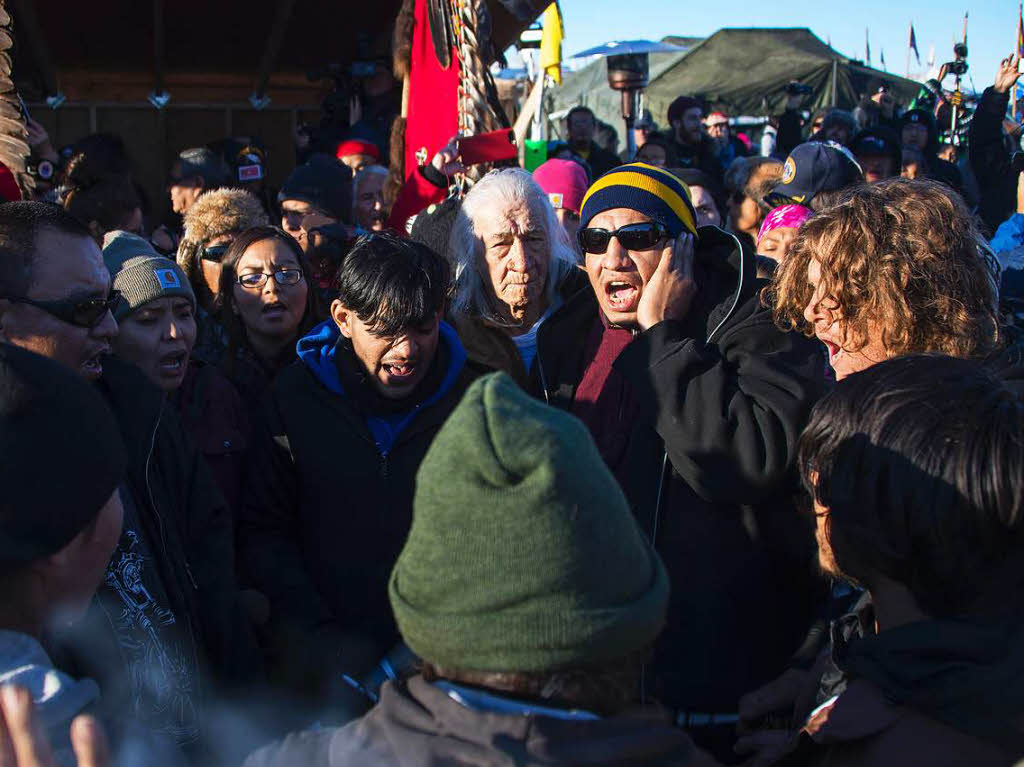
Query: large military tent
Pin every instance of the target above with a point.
(746, 69)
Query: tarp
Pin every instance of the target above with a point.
(745, 69)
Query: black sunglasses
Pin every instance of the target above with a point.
(214, 252)
(642, 236)
(83, 313)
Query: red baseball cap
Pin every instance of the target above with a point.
(357, 146)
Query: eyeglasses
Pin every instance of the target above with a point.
(214, 252)
(87, 313)
(281, 277)
(642, 236)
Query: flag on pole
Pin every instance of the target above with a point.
(1020, 52)
(551, 43)
(882, 59)
(867, 48)
(913, 44)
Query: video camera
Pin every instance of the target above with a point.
(798, 89)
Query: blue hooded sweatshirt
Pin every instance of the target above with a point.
(317, 352)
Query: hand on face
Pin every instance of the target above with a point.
(671, 289)
(621, 278)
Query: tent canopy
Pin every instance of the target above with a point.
(747, 70)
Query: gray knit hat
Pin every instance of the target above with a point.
(523, 554)
(140, 274)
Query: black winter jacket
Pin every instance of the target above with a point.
(419, 725)
(726, 394)
(327, 512)
(189, 529)
(990, 160)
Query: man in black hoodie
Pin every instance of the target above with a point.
(331, 483)
(695, 400)
(166, 631)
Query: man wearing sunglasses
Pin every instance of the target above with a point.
(177, 539)
(695, 400)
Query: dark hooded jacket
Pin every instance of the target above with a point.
(937, 691)
(990, 160)
(723, 397)
(423, 725)
(331, 487)
(188, 528)
(939, 169)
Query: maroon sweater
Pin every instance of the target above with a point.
(604, 399)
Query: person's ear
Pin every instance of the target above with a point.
(342, 317)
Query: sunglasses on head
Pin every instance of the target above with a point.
(214, 252)
(642, 236)
(83, 313)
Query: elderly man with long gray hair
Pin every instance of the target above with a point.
(514, 269)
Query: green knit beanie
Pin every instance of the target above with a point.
(523, 554)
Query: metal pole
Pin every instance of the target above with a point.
(259, 98)
(835, 82)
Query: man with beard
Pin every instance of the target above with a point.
(353, 415)
(582, 125)
(693, 147)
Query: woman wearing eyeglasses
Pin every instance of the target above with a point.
(212, 222)
(266, 305)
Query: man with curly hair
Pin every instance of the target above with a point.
(894, 269)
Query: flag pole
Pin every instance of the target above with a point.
(908, 49)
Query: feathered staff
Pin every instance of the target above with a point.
(14, 148)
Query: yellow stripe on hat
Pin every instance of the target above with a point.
(648, 184)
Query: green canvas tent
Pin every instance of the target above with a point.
(747, 70)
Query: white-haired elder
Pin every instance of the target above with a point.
(514, 268)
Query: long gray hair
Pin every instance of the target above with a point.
(498, 191)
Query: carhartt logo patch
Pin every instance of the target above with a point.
(168, 278)
(788, 171)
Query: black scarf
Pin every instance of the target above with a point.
(967, 673)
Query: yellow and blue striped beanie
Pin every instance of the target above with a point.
(653, 191)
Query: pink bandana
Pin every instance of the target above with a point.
(784, 217)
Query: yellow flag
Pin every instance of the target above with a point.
(551, 43)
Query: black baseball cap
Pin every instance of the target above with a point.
(812, 168)
(878, 140)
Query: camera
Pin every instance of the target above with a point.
(958, 68)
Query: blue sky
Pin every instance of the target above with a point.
(991, 33)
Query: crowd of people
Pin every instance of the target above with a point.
(701, 456)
